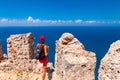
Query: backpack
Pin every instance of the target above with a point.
(40, 53)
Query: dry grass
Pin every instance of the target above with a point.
(19, 75)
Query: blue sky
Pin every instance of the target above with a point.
(59, 12)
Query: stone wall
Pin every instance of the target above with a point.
(20, 46)
(110, 64)
(1, 52)
(72, 61)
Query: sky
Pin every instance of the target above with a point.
(59, 12)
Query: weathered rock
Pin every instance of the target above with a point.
(20, 46)
(1, 52)
(110, 64)
(72, 61)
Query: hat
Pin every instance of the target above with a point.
(42, 37)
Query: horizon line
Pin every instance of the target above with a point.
(30, 21)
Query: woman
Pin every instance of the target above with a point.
(45, 60)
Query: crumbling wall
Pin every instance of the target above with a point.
(20, 46)
(20, 50)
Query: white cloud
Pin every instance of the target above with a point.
(30, 21)
(69, 21)
(4, 20)
(78, 21)
(90, 22)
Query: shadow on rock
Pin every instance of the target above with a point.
(50, 72)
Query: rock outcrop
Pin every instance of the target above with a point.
(1, 52)
(72, 61)
(110, 64)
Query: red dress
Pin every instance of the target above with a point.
(44, 61)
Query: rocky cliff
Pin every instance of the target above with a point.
(110, 64)
(72, 61)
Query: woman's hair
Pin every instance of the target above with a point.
(42, 41)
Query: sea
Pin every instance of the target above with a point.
(94, 38)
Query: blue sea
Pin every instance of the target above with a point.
(95, 38)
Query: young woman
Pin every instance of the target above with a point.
(45, 60)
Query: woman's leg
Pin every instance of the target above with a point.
(44, 71)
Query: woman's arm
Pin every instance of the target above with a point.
(46, 50)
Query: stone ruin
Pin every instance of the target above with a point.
(20, 49)
(72, 61)
(20, 46)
